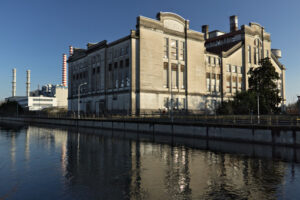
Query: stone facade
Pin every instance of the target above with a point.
(164, 64)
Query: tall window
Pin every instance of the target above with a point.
(182, 50)
(166, 102)
(240, 83)
(121, 74)
(256, 55)
(213, 82)
(249, 54)
(233, 68)
(218, 83)
(183, 103)
(166, 75)
(208, 82)
(267, 53)
(228, 68)
(110, 76)
(166, 47)
(174, 72)
(228, 84)
(174, 49)
(127, 80)
(234, 84)
(182, 76)
(115, 76)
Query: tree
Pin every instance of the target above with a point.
(11, 107)
(262, 83)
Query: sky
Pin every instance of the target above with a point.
(35, 33)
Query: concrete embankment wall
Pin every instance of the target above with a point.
(248, 134)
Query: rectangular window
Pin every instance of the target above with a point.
(249, 54)
(110, 76)
(228, 68)
(121, 73)
(209, 59)
(115, 80)
(182, 76)
(267, 53)
(240, 83)
(218, 83)
(166, 47)
(166, 102)
(127, 62)
(214, 60)
(182, 50)
(208, 82)
(234, 84)
(256, 56)
(126, 50)
(228, 84)
(183, 102)
(213, 82)
(174, 72)
(176, 106)
(233, 68)
(166, 75)
(174, 49)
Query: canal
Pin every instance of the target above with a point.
(49, 163)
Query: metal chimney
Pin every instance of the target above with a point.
(28, 84)
(14, 82)
(70, 50)
(64, 70)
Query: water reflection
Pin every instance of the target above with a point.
(98, 164)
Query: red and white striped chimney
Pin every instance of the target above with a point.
(70, 51)
(64, 70)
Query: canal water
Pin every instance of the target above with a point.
(49, 163)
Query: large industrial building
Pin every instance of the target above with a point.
(163, 64)
(46, 97)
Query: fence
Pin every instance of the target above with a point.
(274, 120)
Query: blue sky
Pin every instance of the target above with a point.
(35, 33)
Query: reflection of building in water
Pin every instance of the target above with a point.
(178, 172)
(13, 149)
(102, 165)
(51, 138)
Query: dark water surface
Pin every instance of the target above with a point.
(47, 163)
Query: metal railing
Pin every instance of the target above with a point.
(269, 120)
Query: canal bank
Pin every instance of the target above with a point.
(260, 134)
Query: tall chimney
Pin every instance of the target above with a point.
(64, 70)
(70, 50)
(14, 82)
(205, 31)
(28, 84)
(234, 26)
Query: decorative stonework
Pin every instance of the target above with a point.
(173, 25)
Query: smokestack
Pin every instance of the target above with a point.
(64, 70)
(205, 31)
(14, 82)
(70, 50)
(28, 84)
(234, 23)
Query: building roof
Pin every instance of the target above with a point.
(222, 48)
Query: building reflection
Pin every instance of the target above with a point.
(102, 164)
(98, 166)
(166, 172)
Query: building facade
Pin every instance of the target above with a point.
(163, 64)
(47, 97)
